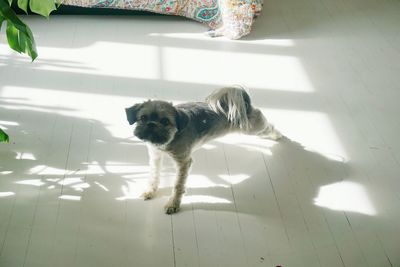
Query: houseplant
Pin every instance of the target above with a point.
(3, 137)
(19, 36)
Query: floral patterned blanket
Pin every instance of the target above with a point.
(231, 18)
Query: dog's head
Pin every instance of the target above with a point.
(156, 121)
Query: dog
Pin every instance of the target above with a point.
(179, 130)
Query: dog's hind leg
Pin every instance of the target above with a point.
(155, 162)
(258, 125)
(174, 202)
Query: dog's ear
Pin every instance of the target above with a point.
(182, 119)
(131, 113)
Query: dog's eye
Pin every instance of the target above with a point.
(164, 121)
(143, 118)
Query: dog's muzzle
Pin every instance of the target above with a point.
(152, 132)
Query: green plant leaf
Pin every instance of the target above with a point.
(28, 46)
(23, 4)
(12, 37)
(1, 21)
(42, 7)
(4, 137)
(19, 36)
(8, 14)
(20, 41)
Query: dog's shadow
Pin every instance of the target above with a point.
(262, 177)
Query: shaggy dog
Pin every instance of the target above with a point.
(179, 130)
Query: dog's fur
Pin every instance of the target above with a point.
(178, 130)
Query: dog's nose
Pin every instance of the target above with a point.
(151, 124)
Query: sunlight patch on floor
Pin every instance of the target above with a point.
(345, 196)
(34, 182)
(25, 155)
(53, 179)
(208, 146)
(204, 199)
(313, 130)
(133, 190)
(202, 181)
(70, 197)
(125, 168)
(85, 60)
(93, 168)
(46, 170)
(10, 123)
(71, 180)
(235, 178)
(6, 172)
(210, 63)
(204, 37)
(80, 187)
(6, 194)
(73, 105)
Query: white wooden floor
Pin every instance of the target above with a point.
(326, 72)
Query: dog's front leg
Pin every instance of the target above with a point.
(155, 162)
(183, 166)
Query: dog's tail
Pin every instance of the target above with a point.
(234, 103)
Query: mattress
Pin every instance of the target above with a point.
(230, 18)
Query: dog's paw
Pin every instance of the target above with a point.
(172, 207)
(148, 194)
(271, 134)
(275, 135)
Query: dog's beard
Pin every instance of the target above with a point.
(155, 136)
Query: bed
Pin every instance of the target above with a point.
(230, 18)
